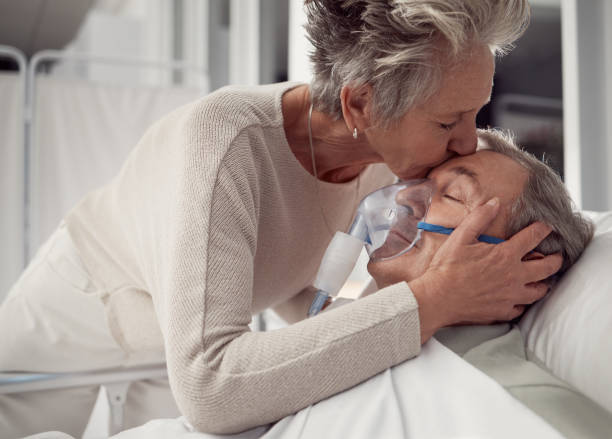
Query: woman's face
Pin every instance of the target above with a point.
(443, 126)
(461, 184)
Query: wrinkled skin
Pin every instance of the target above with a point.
(434, 268)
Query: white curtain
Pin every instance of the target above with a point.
(11, 180)
(83, 133)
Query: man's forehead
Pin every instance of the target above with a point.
(493, 172)
(459, 170)
(472, 165)
(462, 170)
(458, 166)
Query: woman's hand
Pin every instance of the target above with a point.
(473, 282)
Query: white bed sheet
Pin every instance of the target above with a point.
(436, 395)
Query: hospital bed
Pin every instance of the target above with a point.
(113, 383)
(440, 395)
(63, 135)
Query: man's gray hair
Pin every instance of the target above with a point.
(401, 47)
(544, 198)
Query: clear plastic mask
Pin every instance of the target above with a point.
(388, 217)
(391, 220)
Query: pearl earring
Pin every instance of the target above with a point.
(355, 133)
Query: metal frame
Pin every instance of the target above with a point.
(21, 61)
(114, 381)
(31, 227)
(244, 42)
(31, 382)
(18, 56)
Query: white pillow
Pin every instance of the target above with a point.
(570, 330)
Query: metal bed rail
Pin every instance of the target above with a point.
(116, 383)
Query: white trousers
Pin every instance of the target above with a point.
(53, 320)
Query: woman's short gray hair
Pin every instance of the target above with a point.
(400, 47)
(544, 198)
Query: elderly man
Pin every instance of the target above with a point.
(528, 191)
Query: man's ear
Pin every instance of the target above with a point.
(357, 106)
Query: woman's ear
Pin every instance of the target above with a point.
(356, 106)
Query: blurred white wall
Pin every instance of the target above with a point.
(587, 101)
(193, 36)
(244, 42)
(299, 46)
(607, 96)
(131, 29)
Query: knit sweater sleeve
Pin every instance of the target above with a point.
(226, 378)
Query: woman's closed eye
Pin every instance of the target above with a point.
(447, 126)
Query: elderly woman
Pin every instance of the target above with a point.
(226, 206)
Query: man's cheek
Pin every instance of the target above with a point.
(382, 272)
(392, 271)
(410, 265)
(376, 270)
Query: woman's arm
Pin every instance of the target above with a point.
(226, 378)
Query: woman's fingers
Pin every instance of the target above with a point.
(517, 311)
(488, 282)
(475, 223)
(539, 269)
(532, 293)
(529, 238)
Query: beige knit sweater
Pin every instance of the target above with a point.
(212, 219)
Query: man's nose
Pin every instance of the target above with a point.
(465, 140)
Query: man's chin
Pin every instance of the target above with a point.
(389, 272)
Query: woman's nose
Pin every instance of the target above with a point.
(465, 140)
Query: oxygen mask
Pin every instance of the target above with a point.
(389, 222)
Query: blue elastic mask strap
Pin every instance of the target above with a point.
(447, 231)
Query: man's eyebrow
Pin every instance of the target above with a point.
(462, 170)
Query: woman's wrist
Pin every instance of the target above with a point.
(432, 310)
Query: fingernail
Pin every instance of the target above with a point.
(493, 201)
